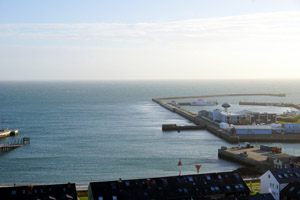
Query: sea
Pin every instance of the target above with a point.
(86, 131)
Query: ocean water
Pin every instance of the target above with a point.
(105, 130)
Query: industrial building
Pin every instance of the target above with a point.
(254, 129)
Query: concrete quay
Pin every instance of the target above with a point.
(253, 157)
(174, 127)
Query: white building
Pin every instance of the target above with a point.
(228, 117)
(273, 181)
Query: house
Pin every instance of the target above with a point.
(291, 191)
(283, 161)
(51, 192)
(222, 185)
(273, 181)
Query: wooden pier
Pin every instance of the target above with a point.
(18, 143)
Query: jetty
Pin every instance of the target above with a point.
(18, 143)
(174, 127)
(6, 133)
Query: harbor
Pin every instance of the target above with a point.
(214, 128)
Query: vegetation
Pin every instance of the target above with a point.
(254, 188)
(83, 198)
(290, 119)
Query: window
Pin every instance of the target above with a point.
(269, 176)
(228, 188)
(292, 189)
(212, 188)
(13, 192)
(100, 198)
(114, 197)
(217, 188)
(208, 177)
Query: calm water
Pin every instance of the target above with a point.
(91, 131)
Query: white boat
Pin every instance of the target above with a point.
(203, 102)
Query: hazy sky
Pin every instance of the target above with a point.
(149, 39)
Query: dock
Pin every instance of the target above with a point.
(251, 156)
(6, 133)
(18, 143)
(174, 127)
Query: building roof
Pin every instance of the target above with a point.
(252, 127)
(267, 196)
(175, 187)
(53, 192)
(292, 190)
(286, 175)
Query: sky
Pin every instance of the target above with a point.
(149, 39)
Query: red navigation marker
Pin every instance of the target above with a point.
(198, 168)
(179, 163)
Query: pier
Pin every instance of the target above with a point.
(174, 127)
(15, 144)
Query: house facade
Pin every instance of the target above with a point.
(274, 181)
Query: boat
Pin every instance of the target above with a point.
(203, 102)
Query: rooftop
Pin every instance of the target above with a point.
(175, 187)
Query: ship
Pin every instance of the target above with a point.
(203, 102)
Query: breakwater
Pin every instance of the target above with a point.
(223, 95)
(297, 106)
